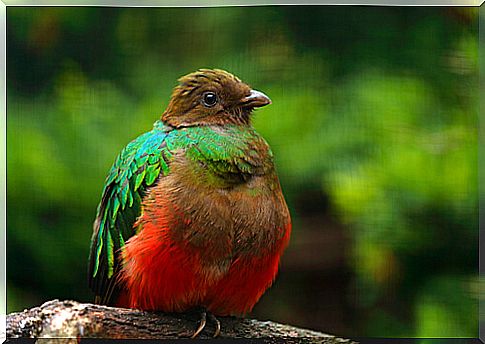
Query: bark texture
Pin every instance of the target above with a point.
(70, 321)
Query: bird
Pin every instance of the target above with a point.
(192, 214)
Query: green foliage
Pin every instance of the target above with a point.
(372, 107)
(441, 304)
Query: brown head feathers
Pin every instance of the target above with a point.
(212, 97)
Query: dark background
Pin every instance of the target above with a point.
(373, 126)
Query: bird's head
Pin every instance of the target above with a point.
(212, 97)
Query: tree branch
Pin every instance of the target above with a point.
(72, 320)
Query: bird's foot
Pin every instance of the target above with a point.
(217, 323)
(203, 321)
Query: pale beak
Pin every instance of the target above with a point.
(255, 99)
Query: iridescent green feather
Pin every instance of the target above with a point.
(138, 167)
(122, 193)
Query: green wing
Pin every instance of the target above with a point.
(228, 153)
(137, 167)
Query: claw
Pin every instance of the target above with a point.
(203, 321)
(218, 325)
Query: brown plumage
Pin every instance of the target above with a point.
(186, 107)
(211, 228)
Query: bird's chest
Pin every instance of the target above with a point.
(219, 219)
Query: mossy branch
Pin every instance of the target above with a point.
(73, 321)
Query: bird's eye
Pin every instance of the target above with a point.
(209, 99)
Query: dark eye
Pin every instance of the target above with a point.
(209, 99)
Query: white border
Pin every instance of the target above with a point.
(192, 3)
(481, 169)
(3, 173)
(230, 3)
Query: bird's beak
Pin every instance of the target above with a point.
(255, 99)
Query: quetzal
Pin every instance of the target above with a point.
(192, 213)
